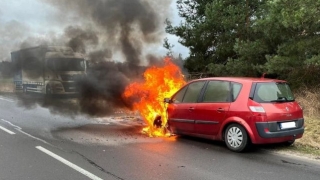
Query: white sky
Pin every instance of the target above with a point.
(38, 18)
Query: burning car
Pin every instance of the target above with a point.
(147, 96)
(239, 111)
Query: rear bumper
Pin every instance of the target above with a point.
(272, 129)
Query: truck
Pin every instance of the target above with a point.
(48, 69)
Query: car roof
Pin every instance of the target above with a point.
(240, 79)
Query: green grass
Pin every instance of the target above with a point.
(305, 149)
(296, 149)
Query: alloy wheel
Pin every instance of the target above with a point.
(235, 137)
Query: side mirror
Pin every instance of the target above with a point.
(167, 100)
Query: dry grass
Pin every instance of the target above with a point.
(6, 85)
(311, 136)
(309, 99)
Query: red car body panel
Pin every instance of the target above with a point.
(182, 117)
(209, 117)
(209, 120)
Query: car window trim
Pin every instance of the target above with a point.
(203, 91)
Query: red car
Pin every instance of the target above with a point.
(239, 111)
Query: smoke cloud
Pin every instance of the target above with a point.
(113, 35)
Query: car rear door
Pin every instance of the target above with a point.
(211, 111)
(181, 110)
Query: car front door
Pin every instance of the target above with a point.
(212, 109)
(182, 107)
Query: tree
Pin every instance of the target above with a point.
(210, 29)
(294, 27)
(168, 46)
(249, 37)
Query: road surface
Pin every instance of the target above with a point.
(38, 144)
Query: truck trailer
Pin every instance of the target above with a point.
(48, 69)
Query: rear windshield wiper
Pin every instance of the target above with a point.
(282, 99)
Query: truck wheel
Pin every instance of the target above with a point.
(236, 138)
(48, 90)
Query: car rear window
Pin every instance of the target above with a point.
(272, 92)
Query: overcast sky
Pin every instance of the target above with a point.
(39, 19)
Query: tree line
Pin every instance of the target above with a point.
(251, 37)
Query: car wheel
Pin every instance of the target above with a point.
(288, 143)
(236, 138)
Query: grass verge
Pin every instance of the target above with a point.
(310, 142)
(6, 85)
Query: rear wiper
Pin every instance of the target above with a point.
(280, 99)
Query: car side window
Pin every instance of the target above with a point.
(193, 92)
(236, 88)
(177, 98)
(217, 91)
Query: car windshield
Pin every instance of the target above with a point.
(273, 92)
(66, 64)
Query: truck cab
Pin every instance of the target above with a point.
(48, 69)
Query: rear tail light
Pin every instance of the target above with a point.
(257, 109)
(258, 112)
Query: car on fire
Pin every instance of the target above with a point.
(240, 111)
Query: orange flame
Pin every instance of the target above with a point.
(159, 83)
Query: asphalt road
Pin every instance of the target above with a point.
(38, 144)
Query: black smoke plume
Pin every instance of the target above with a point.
(112, 34)
(79, 38)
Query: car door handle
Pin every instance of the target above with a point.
(220, 110)
(191, 108)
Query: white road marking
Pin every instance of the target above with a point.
(68, 163)
(7, 130)
(6, 99)
(20, 130)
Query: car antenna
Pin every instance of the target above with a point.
(262, 77)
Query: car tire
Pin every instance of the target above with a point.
(236, 138)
